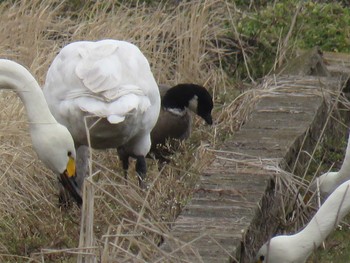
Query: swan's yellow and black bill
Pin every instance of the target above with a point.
(68, 180)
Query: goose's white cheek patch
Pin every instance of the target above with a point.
(193, 104)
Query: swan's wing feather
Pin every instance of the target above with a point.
(109, 79)
(100, 49)
(98, 75)
(116, 111)
(101, 72)
(114, 119)
(113, 94)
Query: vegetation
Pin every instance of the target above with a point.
(180, 43)
(224, 45)
(316, 24)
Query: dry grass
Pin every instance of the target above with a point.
(118, 221)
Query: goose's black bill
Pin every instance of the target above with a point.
(208, 119)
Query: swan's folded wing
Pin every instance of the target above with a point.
(98, 75)
(116, 111)
(101, 72)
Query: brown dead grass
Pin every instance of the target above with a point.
(119, 221)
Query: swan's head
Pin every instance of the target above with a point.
(283, 248)
(260, 257)
(55, 148)
(276, 250)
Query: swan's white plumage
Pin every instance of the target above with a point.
(52, 141)
(117, 109)
(107, 79)
(329, 181)
(297, 248)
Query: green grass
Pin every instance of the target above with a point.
(264, 29)
(336, 246)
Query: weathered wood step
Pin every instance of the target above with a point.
(224, 217)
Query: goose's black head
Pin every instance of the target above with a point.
(191, 96)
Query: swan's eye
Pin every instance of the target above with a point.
(262, 258)
(69, 153)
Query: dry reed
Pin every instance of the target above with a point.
(120, 223)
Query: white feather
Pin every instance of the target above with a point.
(108, 79)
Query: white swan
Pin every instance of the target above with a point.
(331, 180)
(298, 247)
(110, 84)
(52, 141)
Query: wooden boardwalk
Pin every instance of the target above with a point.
(232, 209)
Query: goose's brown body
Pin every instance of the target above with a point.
(175, 118)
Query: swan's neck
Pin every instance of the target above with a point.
(345, 168)
(14, 76)
(325, 220)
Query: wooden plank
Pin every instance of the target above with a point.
(226, 206)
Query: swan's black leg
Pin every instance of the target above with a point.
(124, 158)
(141, 170)
(125, 163)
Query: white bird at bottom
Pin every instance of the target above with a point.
(298, 247)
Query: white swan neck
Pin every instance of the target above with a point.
(15, 77)
(325, 220)
(345, 168)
